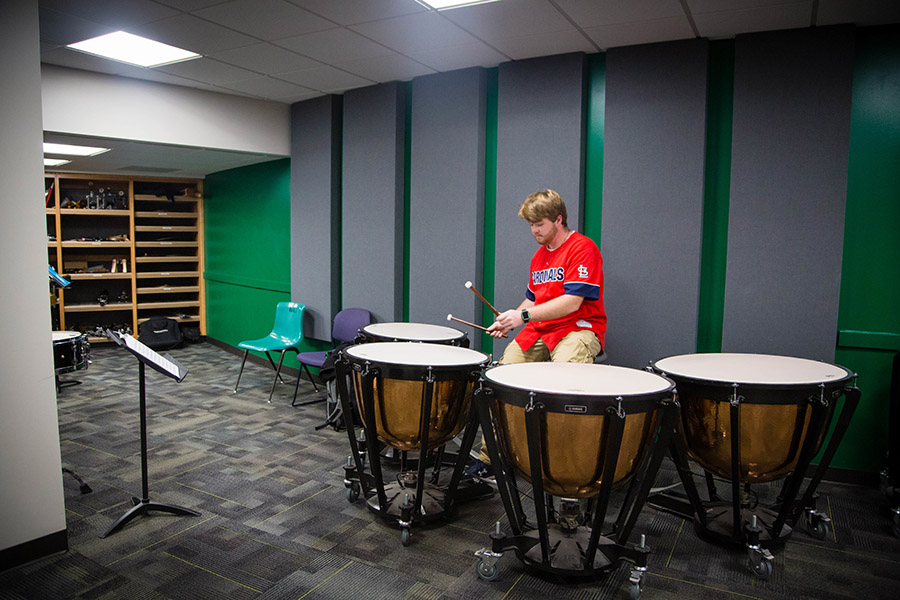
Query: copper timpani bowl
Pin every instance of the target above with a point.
(400, 385)
(773, 395)
(577, 401)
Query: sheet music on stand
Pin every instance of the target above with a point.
(164, 364)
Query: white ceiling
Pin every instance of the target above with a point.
(291, 50)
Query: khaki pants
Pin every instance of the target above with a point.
(580, 346)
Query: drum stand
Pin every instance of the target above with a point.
(415, 497)
(760, 528)
(560, 544)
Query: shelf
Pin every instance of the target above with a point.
(166, 259)
(184, 304)
(184, 319)
(117, 306)
(88, 276)
(167, 244)
(168, 289)
(95, 212)
(71, 244)
(151, 214)
(152, 198)
(161, 228)
(172, 274)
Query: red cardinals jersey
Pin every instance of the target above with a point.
(576, 268)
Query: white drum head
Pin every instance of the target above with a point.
(417, 355)
(414, 332)
(59, 336)
(765, 369)
(577, 379)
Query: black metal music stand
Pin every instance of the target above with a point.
(172, 368)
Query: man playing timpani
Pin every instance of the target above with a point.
(563, 309)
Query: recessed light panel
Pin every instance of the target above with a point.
(72, 150)
(447, 4)
(133, 49)
(55, 162)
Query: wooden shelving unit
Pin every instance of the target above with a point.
(130, 254)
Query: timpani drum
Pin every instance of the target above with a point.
(71, 351)
(413, 398)
(414, 332)
(756, 418)
(574, 431)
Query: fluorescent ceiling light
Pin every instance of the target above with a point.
(71, 150)
(55, 162)
(447, 4)
(133, 49)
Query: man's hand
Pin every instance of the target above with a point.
(505, 322)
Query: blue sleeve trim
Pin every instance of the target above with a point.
(529, 294)
(586, 290)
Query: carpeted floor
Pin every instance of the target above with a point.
(276, 522)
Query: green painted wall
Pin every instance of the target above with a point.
(869, 314)
(247, 245)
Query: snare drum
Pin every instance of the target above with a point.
(414, 332)
(71, 351)
(774, 396)
(578, 401)
(401, 372)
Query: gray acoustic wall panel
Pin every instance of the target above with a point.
(315, 206)
(788, 191)
(653, 174)
(540, 144)
(447, 197)
(372, 199)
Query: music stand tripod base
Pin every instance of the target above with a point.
(142, 507)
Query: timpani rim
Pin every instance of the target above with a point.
(426, 332)
(578, 379)
(732, 368)
(417, 355)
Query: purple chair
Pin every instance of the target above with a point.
(346, 326)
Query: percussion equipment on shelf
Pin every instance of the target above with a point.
(71, 351)
(414, 332)
(755, 418)
(574, 431)
(412, 398)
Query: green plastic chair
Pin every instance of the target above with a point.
(286, 335)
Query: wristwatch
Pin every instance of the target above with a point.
(525, 316)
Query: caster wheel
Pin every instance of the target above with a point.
(635, 592)
(352, 493)
(818, 530)
(488, 573)
(762, 569)
(405, 537)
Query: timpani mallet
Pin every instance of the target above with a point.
(476, 292)
(450, 317)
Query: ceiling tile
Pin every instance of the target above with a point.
(265, 58)
(157, 76)
(596, 13)
(191, 33)
(60, 29)
(267, 87)
(422, 31)
(118, 14)
(726, 24)
(265, 19)
(382, 69)
(208, 71)
(189, 5)
(352, 12)
(644, 32)
(452, 58)
(509, 19)
(334, 45)
(548, 44)
(325, 79)
(705, 6)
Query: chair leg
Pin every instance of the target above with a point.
(277, 374)
(246, 352)
(313, 381)
(272, 362)
(296, 387)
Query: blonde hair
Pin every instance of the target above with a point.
(545, 204)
